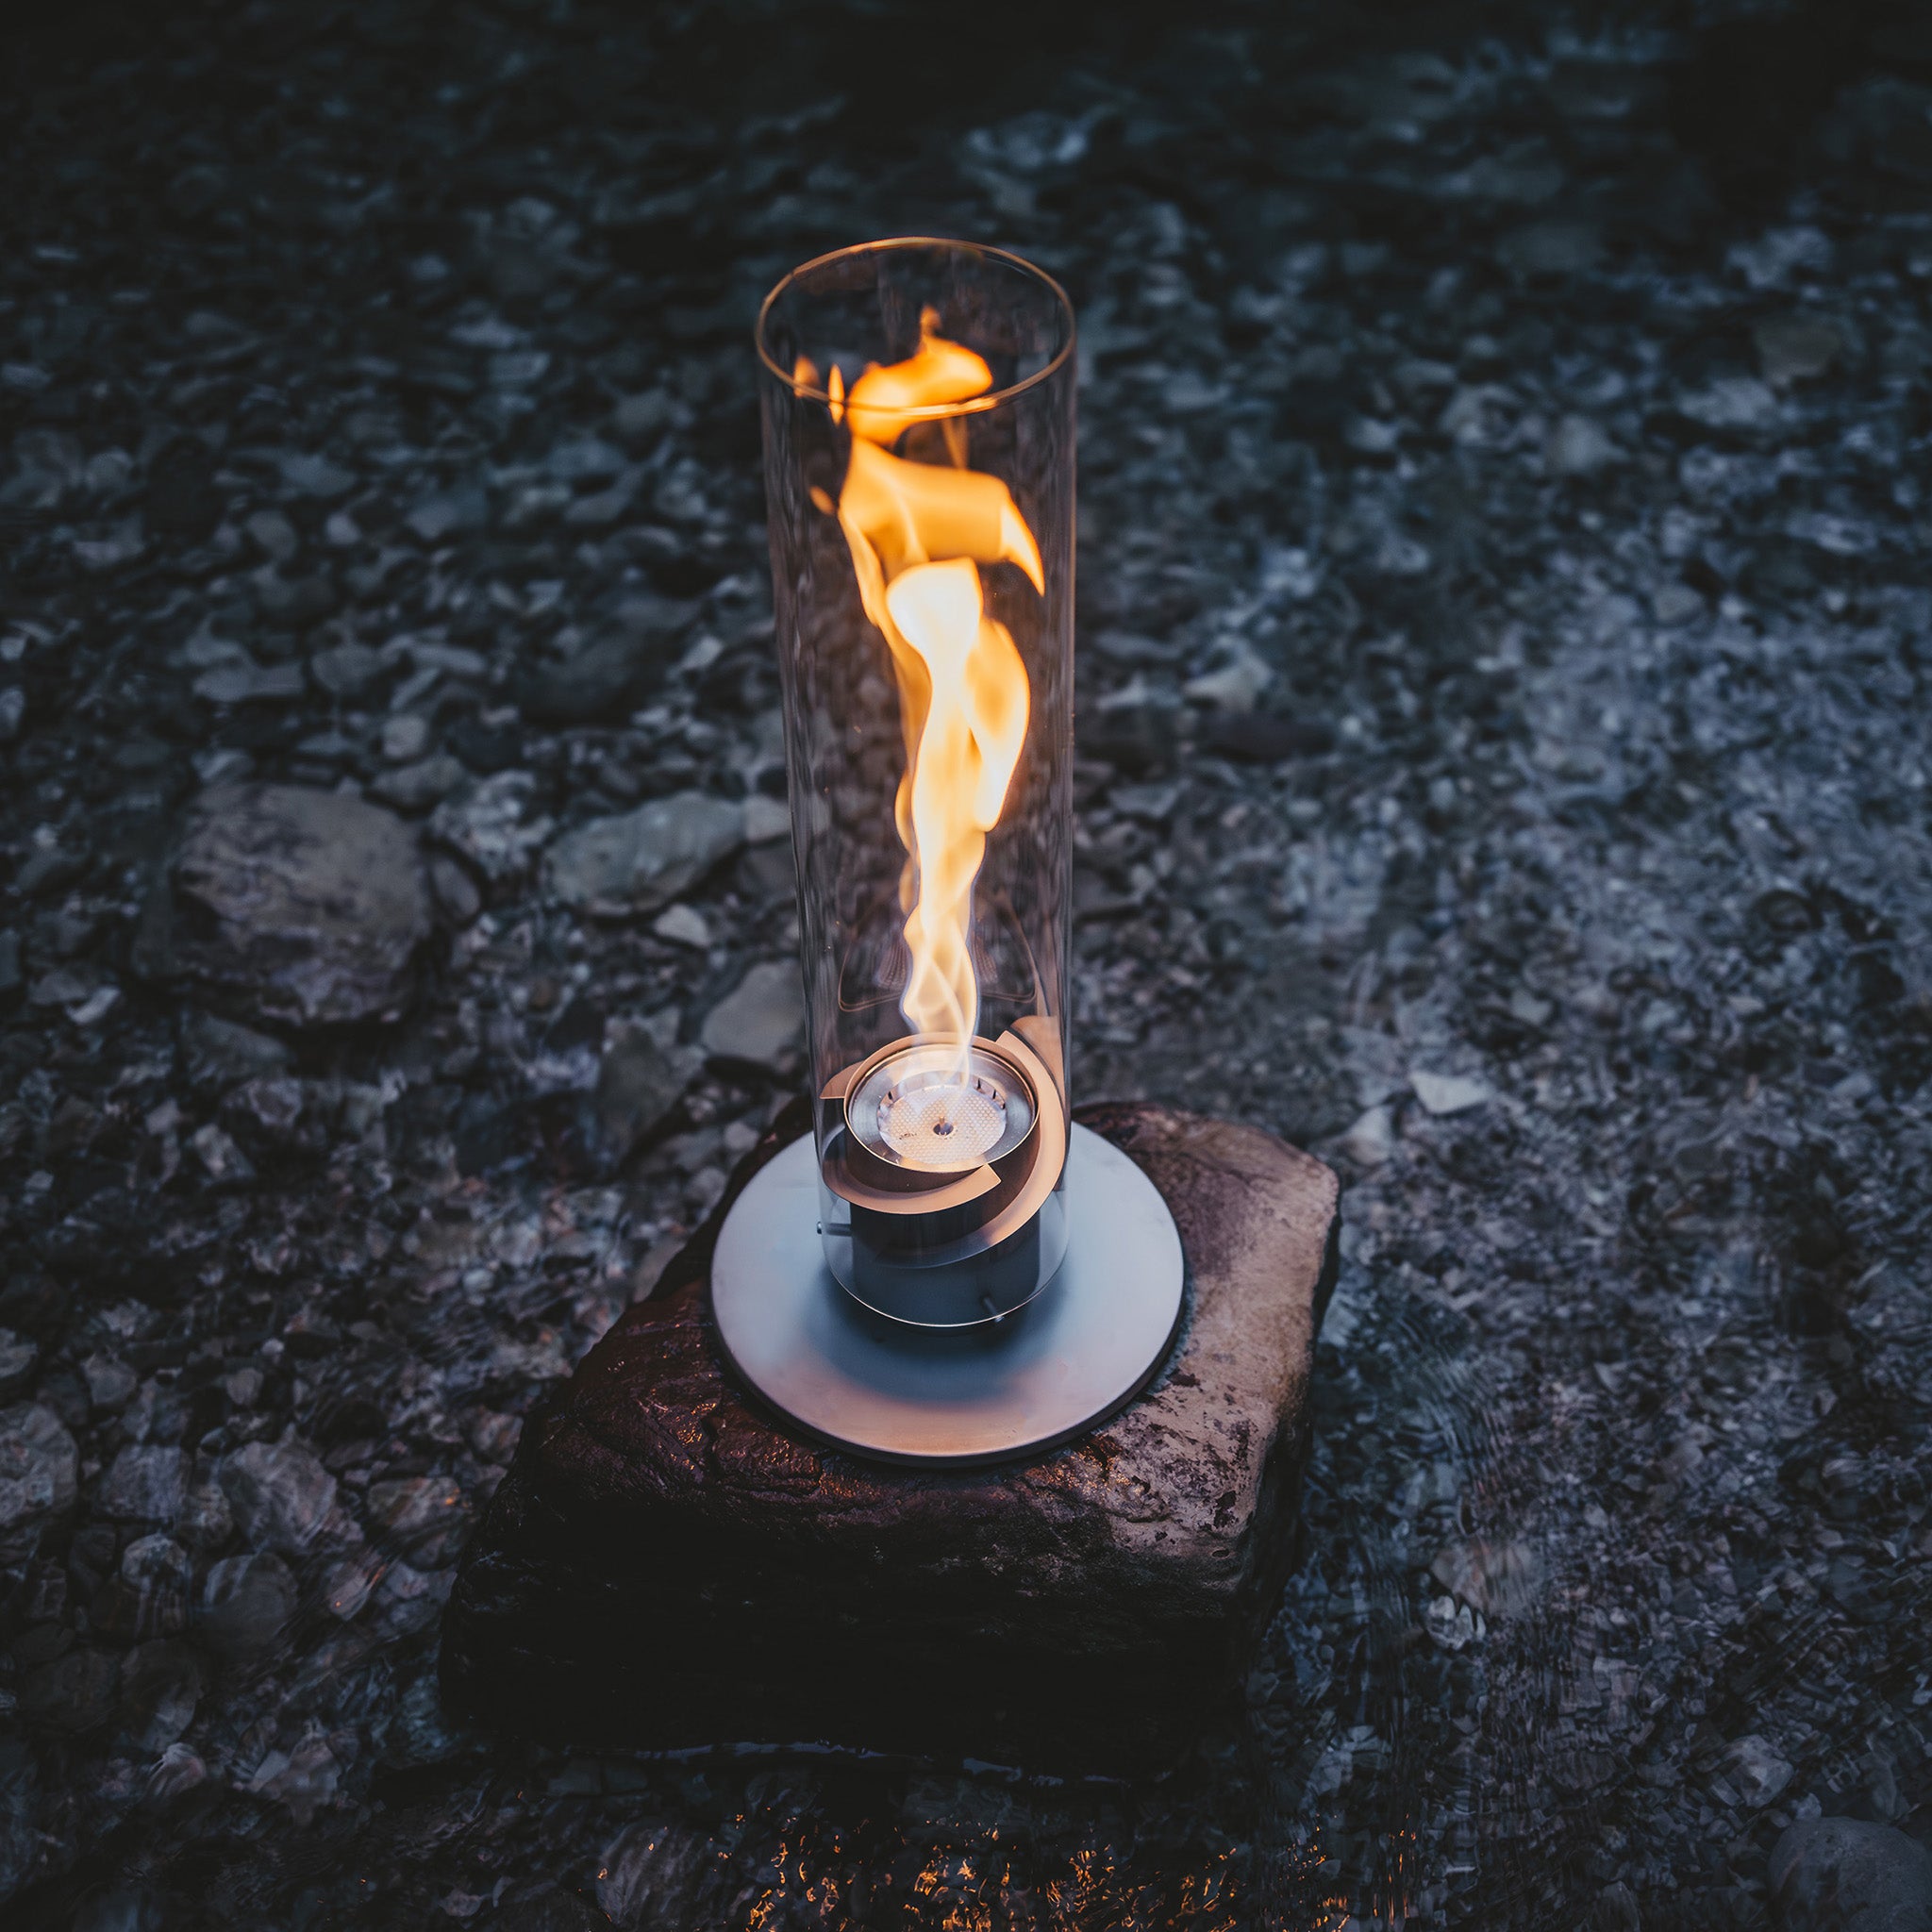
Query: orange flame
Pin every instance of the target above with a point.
(918, 533)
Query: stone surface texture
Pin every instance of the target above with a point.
(640, 861)
(38, 1476)
(1090, 1609)
(1849, 1875)
(761, 1019)
(294, 906)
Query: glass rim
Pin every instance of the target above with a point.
(927, 413)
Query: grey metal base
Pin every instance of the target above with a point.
(1080, 1351)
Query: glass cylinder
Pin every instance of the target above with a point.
(918, 408)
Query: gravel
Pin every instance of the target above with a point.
(1502, 634)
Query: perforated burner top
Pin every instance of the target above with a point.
(946, 1121)
(918, 1107)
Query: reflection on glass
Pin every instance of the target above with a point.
(918, 458)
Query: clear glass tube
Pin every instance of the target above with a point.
(918, 406)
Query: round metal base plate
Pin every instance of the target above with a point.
(1077, 1353)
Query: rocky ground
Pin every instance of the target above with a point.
(1503, 711)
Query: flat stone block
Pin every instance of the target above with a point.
(667, 1565)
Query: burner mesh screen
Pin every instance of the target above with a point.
(942, 1124)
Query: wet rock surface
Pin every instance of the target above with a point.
(1502, 725)
(1847, 1874)
(998, 1614)
(761, 1019)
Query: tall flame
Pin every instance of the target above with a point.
(918, 533)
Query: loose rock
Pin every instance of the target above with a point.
(416, 788)
(268, 1113)
(683, 925)
(1757, 1769)
(490, 824)
(281, 1495)
(206, 1522)
(224, 1162)
(303, 907)
(404, 738)
(39, 1472)
(110, 1380)
(638, 1085)
(347, 671)
(614, 670)
(1733, 402)
(1578, 447)
(761, 1020)
(157, 1573)
(246, 1604)
(246, 683)
(1795, 348)
(1843, 1874)
(17, 1360)
(1372, 1139)
(765, 819)
(642, 858)
(1447, 1093)
(145, 1484)
(177, 1772)
(423, 1519)
(220, 1053)
(303, 1777)
(457, 897)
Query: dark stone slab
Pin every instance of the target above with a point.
(667, 1565)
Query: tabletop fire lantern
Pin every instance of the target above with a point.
(947, 1269)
